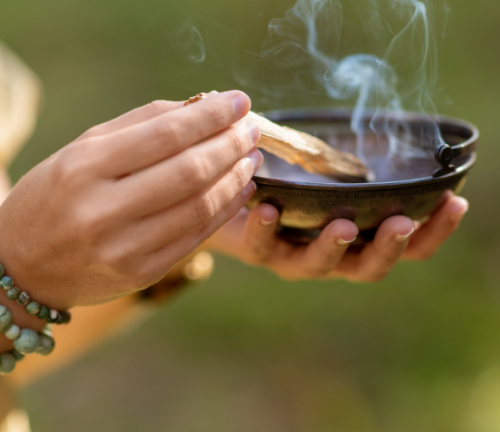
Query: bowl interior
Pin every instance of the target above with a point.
(413, 159)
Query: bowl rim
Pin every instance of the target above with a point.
(294, 113)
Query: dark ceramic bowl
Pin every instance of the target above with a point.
(413, 185)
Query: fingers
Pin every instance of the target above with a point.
(188, 172)
(378, 258)
(175, 222)
(259, 238)
(430, 237)
(182, 247)
(320, 258)
(133, 117)
(323, 255)
(142, 145)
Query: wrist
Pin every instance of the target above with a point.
(32, 270)
(21, 323)
(27, 337)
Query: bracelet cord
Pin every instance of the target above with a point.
(52, 316)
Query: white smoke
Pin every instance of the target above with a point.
(314, 28)
(392, 72)
(190, 43)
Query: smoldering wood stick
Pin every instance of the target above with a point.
(299, 148)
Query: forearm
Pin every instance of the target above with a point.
(20, 317)
(89, 327)
(92, 325)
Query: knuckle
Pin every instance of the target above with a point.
(316, 272)
(74, 164)
(217, 116)
(240, 142)
(205, 207)
(424, 255)
(240, 176)
(258, 254)
(195, 171)
(61, 171)
(204, 233)
(92, 132)
(68, 172)
(158, 106)
(110, 258)
(206, 230)
(118, 258)
(290, 277)
(165, 133)
(353, 279)
(374, 277)
(89, 224)
(140, 278)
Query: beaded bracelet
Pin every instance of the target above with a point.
(26, 341)
(52, 316)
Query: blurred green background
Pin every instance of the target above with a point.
(246, 351)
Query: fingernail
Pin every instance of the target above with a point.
(342, 242)
(249, 189)
(460, 208)
(214, 92)
(403, 238)
(253, 131)
(265, 222)
(241, 105)
(256, 159)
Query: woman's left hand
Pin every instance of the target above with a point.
(251, 237)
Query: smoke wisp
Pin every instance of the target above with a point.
(377, 56)
(399, 80)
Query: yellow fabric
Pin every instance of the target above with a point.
(20, 94)
(16, 421)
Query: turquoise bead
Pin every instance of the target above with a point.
(24, 299)
(5, 319)
(47, 344)
(33, 308)
(6, 283)
(27, 342)
(17, 355)
(60, 318)
(67, 317)
(44, 313)
(13, 332)
(13, 293)
(7, 363)
(2, 271)
(53, 316)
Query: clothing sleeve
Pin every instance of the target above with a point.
(20, 96)
(16, 421)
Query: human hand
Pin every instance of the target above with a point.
(113, 211)
(251, 237)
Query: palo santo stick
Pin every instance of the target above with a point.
(300, 148)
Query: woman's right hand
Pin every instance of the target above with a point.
(113, 211)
